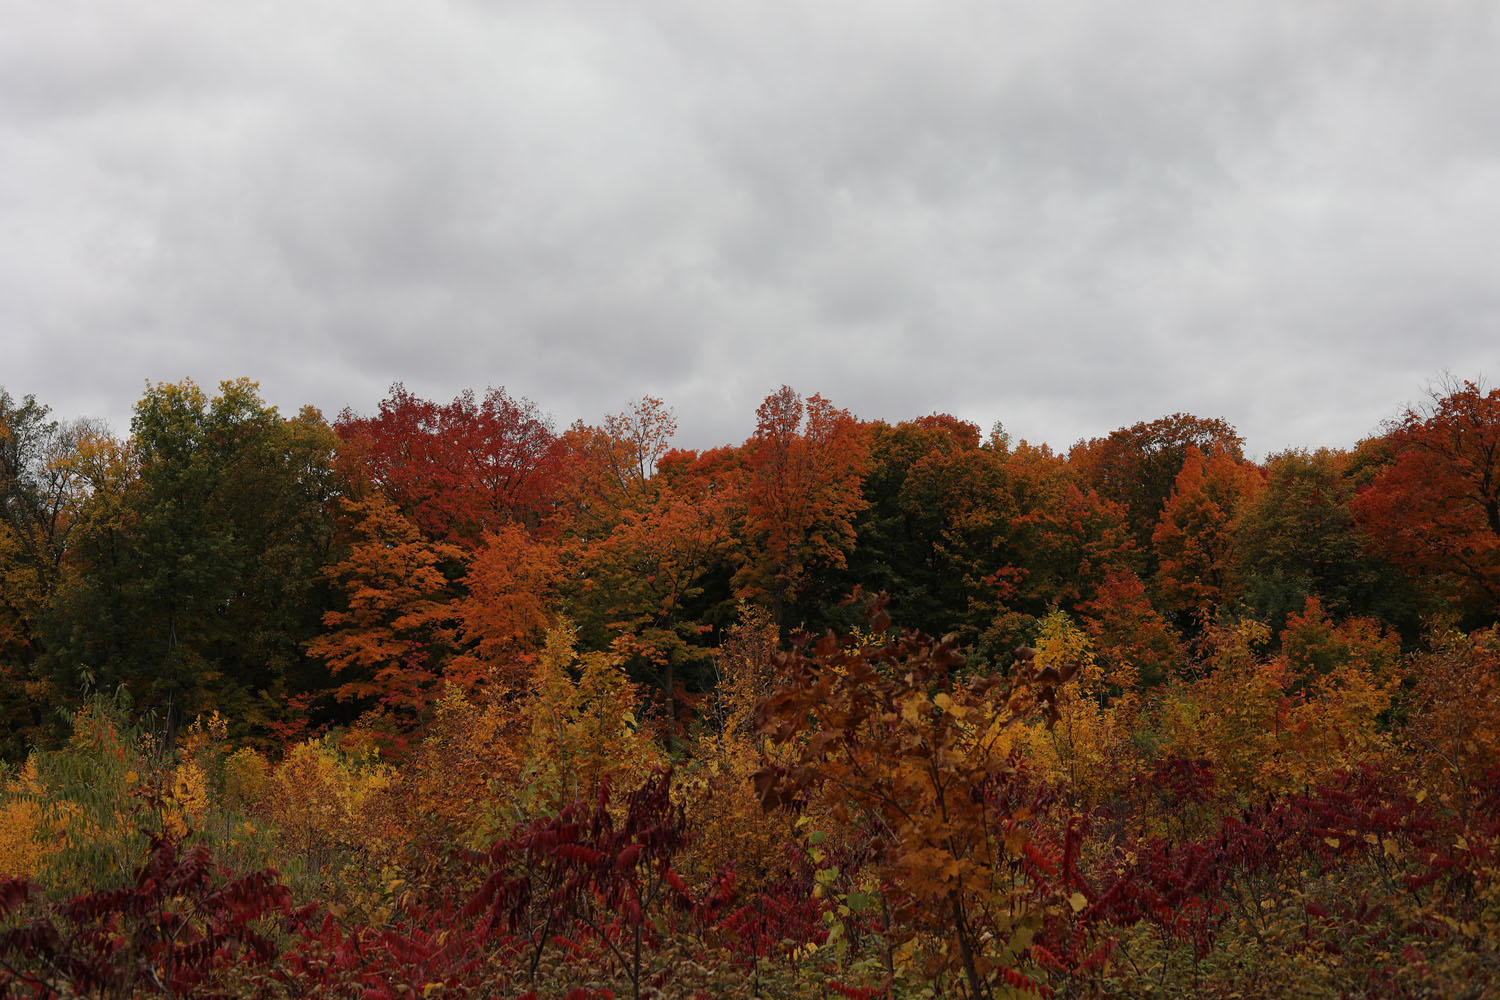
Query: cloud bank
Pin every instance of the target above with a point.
(1065, 216)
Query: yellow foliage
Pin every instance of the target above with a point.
(1262, 735)
(451, 781)
(247, 779)
(187, 793)
(187, 798)
(715, 787)
(581, 731)
(745, 668)
(730, 826)
(317, 798)
(22, 849)
(1089, 749)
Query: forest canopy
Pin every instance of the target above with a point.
(851, 707)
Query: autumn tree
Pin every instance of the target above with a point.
(646, 529)
(1453, 728)
(1070, 536)
(957, 515)
(583, 727)
(1136, 466)
(967, 534)
(924, 520)
(507, 608)
(639, 580)
(607, 470)
(1435, 508)
(42, 490)
(1194, 537)
(806, 460)
(732, 832)
(1298, 538)
(460, 468)
(1136, 646)
(391, 638)
(912, 755)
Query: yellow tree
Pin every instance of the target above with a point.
(582, 727)
(1088, 749)
(731, 828)
(911, 755)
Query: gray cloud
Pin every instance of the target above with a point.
(1068, 217)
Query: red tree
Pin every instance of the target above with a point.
(1435, 508)
(459, 469)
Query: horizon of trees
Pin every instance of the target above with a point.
(445, 700)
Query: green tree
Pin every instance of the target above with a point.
(1298, 538)
(41, 490)
(197, 572)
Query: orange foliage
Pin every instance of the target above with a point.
(1135, 466)
(654, 559)
(1135, 644)
(1195, 536)
(607, 470)
(1436, 508)
(507, 610)
(384, 644)
(1453, 728)
(807, 459)
(1070, 537)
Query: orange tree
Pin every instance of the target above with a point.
(1194, 537)
(1136, 466)
(1435, 509)
(806, 461)
(388, 642)
(507, 609)
(905, 750)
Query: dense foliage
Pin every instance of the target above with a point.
(445, 702)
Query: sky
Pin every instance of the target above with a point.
(1061, 215)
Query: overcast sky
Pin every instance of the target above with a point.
(1065, 216)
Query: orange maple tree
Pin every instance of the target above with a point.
(806, 460)
(389, 641)
(1436, 508)
(1194, 539)
(503, 618)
